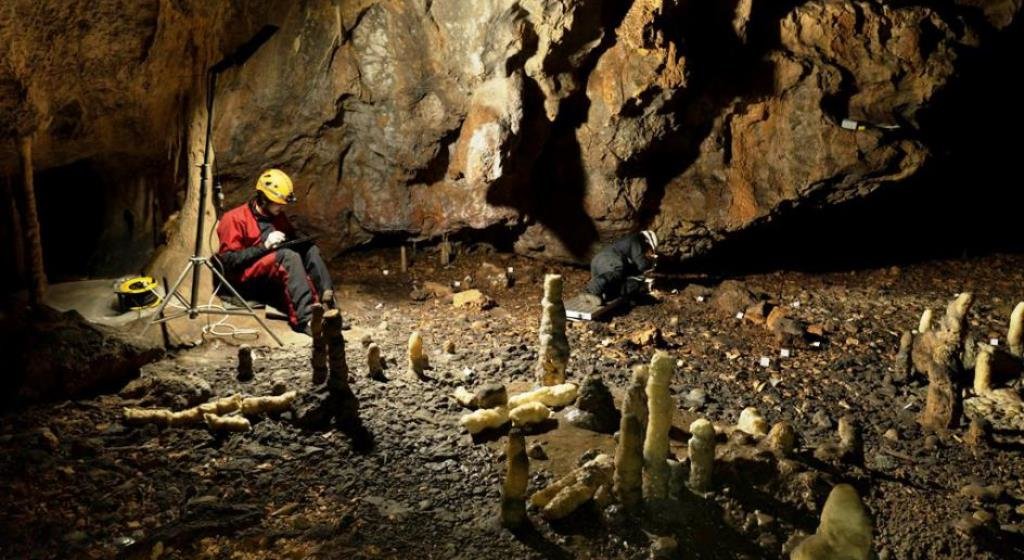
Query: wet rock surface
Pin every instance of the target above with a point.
(79, 483)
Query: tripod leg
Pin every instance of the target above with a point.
(224, 282)
(167, 296)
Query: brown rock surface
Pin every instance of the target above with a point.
(564, 123)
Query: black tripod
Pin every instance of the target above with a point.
(197, 260)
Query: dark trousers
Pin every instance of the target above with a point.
(289, 279)
(609, 279)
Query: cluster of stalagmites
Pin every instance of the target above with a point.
(947, 351)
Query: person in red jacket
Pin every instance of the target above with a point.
(291, 278)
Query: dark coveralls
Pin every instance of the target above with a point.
(611, 269)
(290, 279)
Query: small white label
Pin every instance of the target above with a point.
(679, 363)
(784, 353)
(510, 270)
(700, 299)
(765, 361)
(796, 304)
(994, 342)
(385, 271)
(739, 315)
(816, 344)
(456, 283)
(380, 306)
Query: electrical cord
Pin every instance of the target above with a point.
(222, 327)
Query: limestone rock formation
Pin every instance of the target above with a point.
(562, 123)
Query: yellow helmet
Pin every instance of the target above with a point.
(276, 186)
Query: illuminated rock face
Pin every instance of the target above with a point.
(434, 117)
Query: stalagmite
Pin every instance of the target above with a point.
(629, 453)
(271, 404)
(319, 357)
(404, 264)
(343, 402)
(480, 420)
(849, 449)
(844, 532)
(983, 372)
(568, 493)
(513, 491)
(218, 423)
(781, 440)
(337, 364)
(702, 454)
(553, 356)
(529, 413)
(417, 360)
(245, 363)
(925, 324)
(752, 422)
(1015, 337)
(904, 360)
(659, 420)
(374, 365)
(941, 349)
(555, 396)
(37, 272)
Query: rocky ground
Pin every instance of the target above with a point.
(76, 482)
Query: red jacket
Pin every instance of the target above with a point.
(242, 232)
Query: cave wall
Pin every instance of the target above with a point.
(557, 124)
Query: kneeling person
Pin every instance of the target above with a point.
(290, 279)
(617, 271)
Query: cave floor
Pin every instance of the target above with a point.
(426, 489)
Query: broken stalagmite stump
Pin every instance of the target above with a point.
(529, 413)
(849, 449)
(629, 453)
(844, 532)
(271, 404)
(752, 422)
(659, 421)
(904, 365)
(554, 346)
(983, 372)
(595, 408)
(218, 423)
(374, 365)
(925, 323)
(568, 493)
(702, 454)
(480, 420)
(319, 356)
(245, 363)
(1015, 336)
(513, 491)
(781, 440)
(940, 351)
(555, 396)
(417, 360)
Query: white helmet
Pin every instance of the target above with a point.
(651, 238)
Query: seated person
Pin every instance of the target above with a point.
(617, 271)
(291, 278)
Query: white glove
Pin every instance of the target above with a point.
(274, 239)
